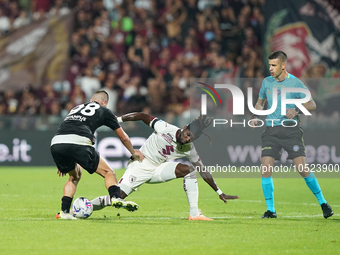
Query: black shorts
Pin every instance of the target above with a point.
(66, 155)
(274, 139)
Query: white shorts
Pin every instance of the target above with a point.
(138, 173)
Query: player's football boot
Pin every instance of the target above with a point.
(200, 216)
(64, 216)
(269, 214)
(327, 210)
(121, 203)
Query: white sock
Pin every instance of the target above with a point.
(191, 188)
(101, 202)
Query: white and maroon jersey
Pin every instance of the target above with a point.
(161, 146)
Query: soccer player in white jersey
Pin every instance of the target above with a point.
(167, 142)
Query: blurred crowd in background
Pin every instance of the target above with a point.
(142, 52)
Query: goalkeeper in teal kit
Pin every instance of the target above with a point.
(284, 131)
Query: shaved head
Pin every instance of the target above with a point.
(100, 97)
(280, 55)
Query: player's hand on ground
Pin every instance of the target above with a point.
(60, 173)
(225, 197)
(138, 155)
(291, 113)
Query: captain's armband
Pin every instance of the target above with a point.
(153, 122)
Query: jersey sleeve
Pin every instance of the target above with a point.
(299, 84)
(159, 125)
(110, 120)
(192, 155)
(262, 93)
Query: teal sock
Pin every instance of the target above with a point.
(313, 185)
(268, 192)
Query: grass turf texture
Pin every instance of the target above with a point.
(30, 197)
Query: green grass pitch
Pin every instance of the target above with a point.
(30, 197)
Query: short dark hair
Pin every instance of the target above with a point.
(278, 55)
(102, 91)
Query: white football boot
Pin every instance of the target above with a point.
(65, 216)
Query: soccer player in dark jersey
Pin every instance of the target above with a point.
(72, 150)
(288, 136)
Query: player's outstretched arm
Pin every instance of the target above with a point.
(136, 154)
(208, 178)
(135, 116)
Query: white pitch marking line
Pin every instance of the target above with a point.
(180, 218)
(283, 203)
(232, 217)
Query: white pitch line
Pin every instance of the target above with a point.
(279, 216)
(282, 203)
(178, 218)
(27, 209)
(29, 219)
(230, 217)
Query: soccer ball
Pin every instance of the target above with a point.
(82, 208)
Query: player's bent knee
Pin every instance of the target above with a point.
(105, 172)
(182, 170)
(111, 172)
(75, 175)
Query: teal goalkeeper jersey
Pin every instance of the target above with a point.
(266, 92)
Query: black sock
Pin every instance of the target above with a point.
(66, 204)
(114, 191)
